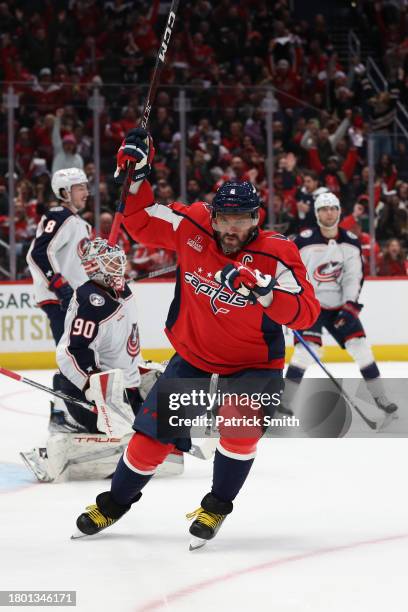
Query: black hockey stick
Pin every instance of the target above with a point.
(155, 273)
(32, 383)
(160, 61)
(346, 397)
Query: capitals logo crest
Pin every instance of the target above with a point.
(133, 342)
(196, 243)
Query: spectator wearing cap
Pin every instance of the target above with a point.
(45, 94)
(65, 155)
(393, 261)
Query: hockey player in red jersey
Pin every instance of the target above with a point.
(236, 286)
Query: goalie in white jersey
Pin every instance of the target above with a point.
(332, 257)
(100, 361)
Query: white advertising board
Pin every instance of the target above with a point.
(26, 340)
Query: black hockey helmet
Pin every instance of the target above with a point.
(235, 197)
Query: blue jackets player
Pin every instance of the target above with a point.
(236, 286)
(54, 256)
(54, 260)
(332, 257)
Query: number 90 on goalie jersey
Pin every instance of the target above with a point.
(101, 333)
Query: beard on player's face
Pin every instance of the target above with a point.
(232, 242)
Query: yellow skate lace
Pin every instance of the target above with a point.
(98, 518)
(211, 519)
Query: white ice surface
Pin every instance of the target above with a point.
(321, 525)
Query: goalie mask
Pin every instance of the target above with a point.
(104, 264)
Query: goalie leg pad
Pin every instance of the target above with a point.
(70, 456)
(144, 454)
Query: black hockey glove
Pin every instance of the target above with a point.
(347, 317)
(137, 148)
(251, 284)
(62, 290)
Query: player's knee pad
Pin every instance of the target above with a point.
(360, 351)
(144, 454)
(302, 358)
(238, 448)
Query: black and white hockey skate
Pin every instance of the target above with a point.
(99, 516)
(208, 519)
(390, 409)
(62, 422)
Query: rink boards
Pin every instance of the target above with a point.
(26, 341)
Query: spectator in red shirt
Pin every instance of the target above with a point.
(393, 261)
(288, 84)
(89, 54)
(143, 32)
(24, 150)
(359, 216)
(233, 140)
(201, 55)
(25, 197)
(42, 136)
(46, 95)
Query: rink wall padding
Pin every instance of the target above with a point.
(26, 341)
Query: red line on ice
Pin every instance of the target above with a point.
(7, 395)
(163, 602)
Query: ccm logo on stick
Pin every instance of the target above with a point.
(167, 34)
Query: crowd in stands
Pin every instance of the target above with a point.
(226, 56)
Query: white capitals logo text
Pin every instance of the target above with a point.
(214, 293)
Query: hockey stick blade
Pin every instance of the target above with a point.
(387, 420)
(371, 424)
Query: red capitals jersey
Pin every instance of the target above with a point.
(209, 326)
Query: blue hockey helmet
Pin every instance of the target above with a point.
(236, 197)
